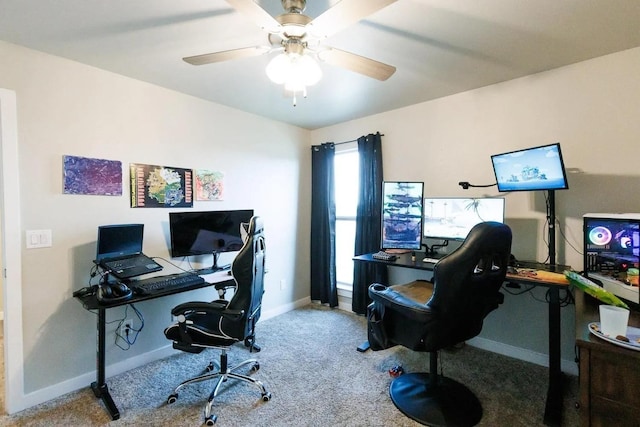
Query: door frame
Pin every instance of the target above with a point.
(10, 238)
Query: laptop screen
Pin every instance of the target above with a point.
(119, 240)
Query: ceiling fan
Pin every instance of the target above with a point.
(297, 35)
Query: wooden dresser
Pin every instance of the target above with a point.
(609, 374)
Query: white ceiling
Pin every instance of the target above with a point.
(440, 47)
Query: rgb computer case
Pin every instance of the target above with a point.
(612, 252)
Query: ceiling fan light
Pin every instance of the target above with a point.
(279, 69)
(309, 70)
(294, 70)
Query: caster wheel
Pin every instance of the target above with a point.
(209, 368)
(255, 367)
(266, 397)
(211, 420)
(171, 399)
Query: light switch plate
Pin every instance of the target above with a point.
(38, 239)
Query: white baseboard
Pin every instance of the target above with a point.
(48, 393)
(567, 366)
(84, 380)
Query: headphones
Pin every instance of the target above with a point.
(113, 292)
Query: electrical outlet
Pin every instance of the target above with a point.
(283, 284)
(125, 326)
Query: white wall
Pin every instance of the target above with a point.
(591, 108)
(66, 108)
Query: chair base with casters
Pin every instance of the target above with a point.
(434, 400)
(222, 374)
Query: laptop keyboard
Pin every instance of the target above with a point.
(131, 267)
(123, 264)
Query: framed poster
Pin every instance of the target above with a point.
(83, 175)
(160, 186)
(209, 185)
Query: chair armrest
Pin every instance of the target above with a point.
(397, 302)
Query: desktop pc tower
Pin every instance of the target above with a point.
(612, 253)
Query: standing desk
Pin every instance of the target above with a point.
(90, 302)
(539, 277)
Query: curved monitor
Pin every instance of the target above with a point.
(531, 169)
(452, 218)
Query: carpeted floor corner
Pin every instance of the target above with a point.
(310, 365)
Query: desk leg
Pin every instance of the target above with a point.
(100, 388)
(553, 408)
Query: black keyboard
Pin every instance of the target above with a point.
(158, 284)
(383, 256)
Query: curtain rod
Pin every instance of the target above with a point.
(347, 142)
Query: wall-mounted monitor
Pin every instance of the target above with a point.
(453, 218)
(530, 169)
(402, 215)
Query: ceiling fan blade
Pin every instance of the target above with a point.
(357, 63)
(209, 58)
(260, 16)
(344, 14)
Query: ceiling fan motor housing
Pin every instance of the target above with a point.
(294, 6)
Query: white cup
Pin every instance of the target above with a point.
(613, 320)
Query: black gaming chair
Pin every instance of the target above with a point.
(430, 316)
(219, 324)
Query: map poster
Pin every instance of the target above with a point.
(160, 186)
(83, 175)
(209, 185)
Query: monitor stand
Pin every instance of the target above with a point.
(214, 268)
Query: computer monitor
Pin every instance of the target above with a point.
(530, 169)
(207, 232)
(612, 253)
(452, 218)
(402, 215)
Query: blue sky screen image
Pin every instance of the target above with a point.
(539, 168)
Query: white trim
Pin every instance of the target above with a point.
(567, 366)
(268, 314)
(56, 390)
(11, 253)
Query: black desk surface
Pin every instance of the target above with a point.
(90, 302)
(402, 260)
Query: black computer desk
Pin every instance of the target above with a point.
(539, 276)
(90, 302)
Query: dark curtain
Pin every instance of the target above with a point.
(368, 221)
(323, 225)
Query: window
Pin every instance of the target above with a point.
(347, 178)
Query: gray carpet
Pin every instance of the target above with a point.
(310, 365)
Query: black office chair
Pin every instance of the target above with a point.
(220, 324)
(430, 316)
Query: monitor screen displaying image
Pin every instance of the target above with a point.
(453, 218)
(402, 215)
(531, 169)
(206, 232)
